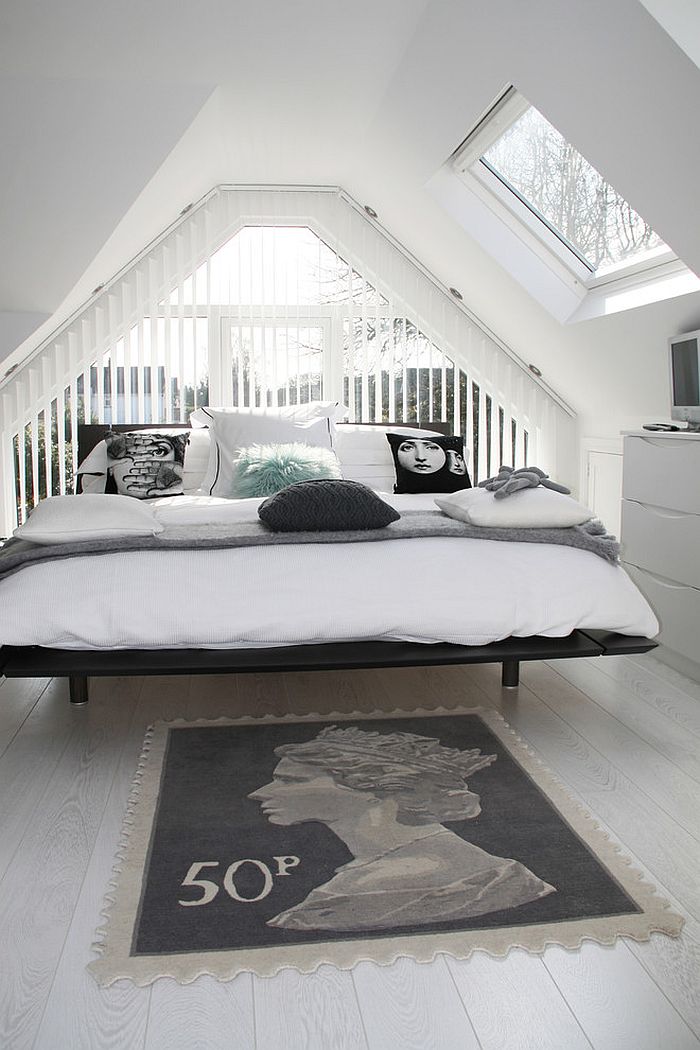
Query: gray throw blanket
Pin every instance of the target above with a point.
(16, 554)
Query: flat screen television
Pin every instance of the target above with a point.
(684, 364)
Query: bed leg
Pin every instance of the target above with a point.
(78, 689)
(510, 674)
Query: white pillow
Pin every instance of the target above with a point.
(539, 508)
(90, 516)
(233, 429)
(295, 413)
(196, 459)
(93, 469)
(365, 454)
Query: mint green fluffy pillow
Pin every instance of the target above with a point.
(262, 470)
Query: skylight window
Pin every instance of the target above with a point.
(565, 233)
(549, 175)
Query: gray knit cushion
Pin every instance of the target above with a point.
(326, 505)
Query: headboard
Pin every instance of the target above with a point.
(439, 426)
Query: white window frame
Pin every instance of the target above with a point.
(551, 270)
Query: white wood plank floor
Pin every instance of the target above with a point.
(623, 734)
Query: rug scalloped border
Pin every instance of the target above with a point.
(122, 898)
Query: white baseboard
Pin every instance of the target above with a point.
(680, 663)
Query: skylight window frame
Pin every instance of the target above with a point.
(518, 212)
(524, 219)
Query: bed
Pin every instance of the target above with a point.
(413, 602)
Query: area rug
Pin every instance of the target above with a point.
(256, 845)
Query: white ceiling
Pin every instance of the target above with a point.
(119, 115)
(681, 20)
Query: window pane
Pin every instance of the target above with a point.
(276, 266)
(274, 365)
(553, 179)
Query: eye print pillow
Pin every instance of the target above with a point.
(429, 464)
(144, 464)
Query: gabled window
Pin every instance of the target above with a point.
(562, 213)
(264, 297)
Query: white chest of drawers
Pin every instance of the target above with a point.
(660, 533)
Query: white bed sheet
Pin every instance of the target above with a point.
(469, 592)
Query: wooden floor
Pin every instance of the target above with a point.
(622, 733)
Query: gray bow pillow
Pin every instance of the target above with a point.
(326, 505)
(508, 481)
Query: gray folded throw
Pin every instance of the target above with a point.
(591, 536)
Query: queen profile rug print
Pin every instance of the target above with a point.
(254, 845)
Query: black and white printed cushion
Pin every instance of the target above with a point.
(93, 470)
(429, 464)
(144, 464)
(326, 505)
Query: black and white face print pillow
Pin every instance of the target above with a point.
(143, 464)
(429, 464)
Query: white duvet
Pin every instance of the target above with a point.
(465, 591)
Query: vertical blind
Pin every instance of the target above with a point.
(264, 297)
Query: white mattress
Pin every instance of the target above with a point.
(469, 592)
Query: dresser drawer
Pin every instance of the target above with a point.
(666, 542)
(663, 473)
(677, 608)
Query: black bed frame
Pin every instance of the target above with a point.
(80, 665)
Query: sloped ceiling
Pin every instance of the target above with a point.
(681, 20)
(75, 154)
(100, 107)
